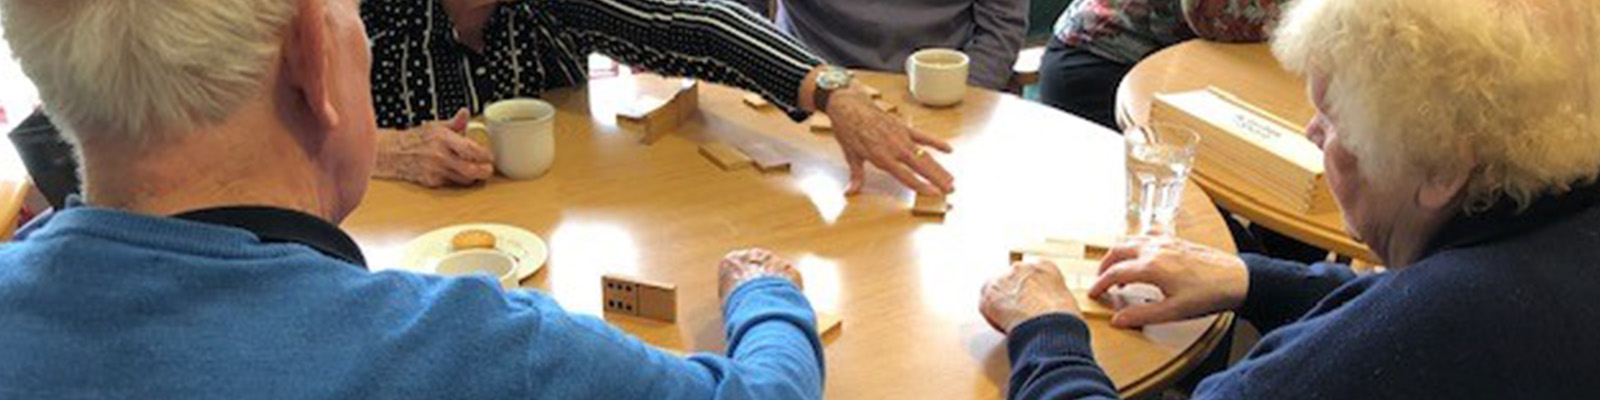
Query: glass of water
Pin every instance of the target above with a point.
(1159, 157)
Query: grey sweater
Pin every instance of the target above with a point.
(880, 34)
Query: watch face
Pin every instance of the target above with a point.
(833, 79)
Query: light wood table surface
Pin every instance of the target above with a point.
(1250, 72)
(907, 288)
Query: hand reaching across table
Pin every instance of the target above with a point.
(868, 134)
(433, 154)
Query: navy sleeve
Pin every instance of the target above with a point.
(1283, 291)
(1051, 359)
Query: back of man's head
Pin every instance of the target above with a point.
(174, 105)
(141, 69)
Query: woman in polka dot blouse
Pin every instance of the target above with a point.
(441, 59)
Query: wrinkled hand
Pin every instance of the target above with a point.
(743, 266)
(1030, 290)
(1196, 279)
(867, 134)
(434, 154)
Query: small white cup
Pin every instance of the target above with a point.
(480, 261)
(522, 133)
(938, 76)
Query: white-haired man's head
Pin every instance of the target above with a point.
(133, 68)
(1498, 98)
(164, 87)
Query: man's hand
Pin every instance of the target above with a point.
(867, 134)
(1030, 290)
(743, 266)
(434, 154)
(1196, 279)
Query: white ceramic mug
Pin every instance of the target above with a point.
(480, 261)
(522, 135)
(938, 76)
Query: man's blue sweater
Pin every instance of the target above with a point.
(1506, 304)
(96, 303)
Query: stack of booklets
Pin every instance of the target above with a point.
(1241, 144)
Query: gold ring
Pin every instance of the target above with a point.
(922, 152)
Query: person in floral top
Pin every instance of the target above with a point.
(1098, 41)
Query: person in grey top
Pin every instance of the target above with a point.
(879, 35)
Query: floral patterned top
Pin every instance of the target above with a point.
(1128, 30)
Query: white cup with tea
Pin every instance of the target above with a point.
(938, 76)
(522, 136)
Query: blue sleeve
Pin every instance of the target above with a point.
(773, 353)
(1051, 359)
(1283, 291)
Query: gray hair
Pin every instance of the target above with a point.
(1417, 84)
(134, 71)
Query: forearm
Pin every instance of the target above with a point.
(1232, 20)
(773, 353)
(771, 333)
(1000, 29)
(712, 40)
(1282, 291)
(1051, 359)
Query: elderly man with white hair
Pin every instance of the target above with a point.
(221, 141)
(1462, 140)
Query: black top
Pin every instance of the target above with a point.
(421, 73)
(278, 225)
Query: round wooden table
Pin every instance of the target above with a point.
(906, 287)
(1250, 72)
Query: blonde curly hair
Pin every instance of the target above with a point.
(1509, 89)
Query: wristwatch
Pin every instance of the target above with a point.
(830, 80)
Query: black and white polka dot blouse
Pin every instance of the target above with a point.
(421, 73)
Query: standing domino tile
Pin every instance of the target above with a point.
(637, 297)
(725, 156)
(1093, 247)
(930, 206)
(1048, 249)
(820, 124)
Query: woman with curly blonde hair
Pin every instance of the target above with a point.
(1461, 140)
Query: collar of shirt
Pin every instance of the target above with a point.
(277, 225)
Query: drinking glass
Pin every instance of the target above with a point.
(1159, 158)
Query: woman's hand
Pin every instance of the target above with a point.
(868, 134)
(1030, 290)
(434, 154)
(743, 266)
(1196, 279)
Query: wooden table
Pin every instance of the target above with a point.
(907, 288)
(1250, 72)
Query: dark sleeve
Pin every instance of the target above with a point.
(1051, 359)
(1283, 291)
(760, 7)
(712, 40)
(999, 29)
